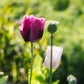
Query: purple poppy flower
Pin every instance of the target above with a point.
(32, 28)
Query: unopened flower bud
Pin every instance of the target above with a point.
(72, 79)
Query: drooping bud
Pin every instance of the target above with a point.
(72, 79)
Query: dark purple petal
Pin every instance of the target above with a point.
(42, 20)
(32, 18)
(25, 28)
(36, 31)
(25, 35)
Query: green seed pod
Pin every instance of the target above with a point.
(52, 28)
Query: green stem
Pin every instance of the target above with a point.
(50, 82)
(31, 62)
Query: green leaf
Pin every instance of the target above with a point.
(14, 71)
(36, 73)
(56, 82)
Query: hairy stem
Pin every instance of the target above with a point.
(50, 82)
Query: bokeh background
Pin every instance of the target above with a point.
(15, 56)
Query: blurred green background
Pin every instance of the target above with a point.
(15, 53)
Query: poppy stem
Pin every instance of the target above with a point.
(32, 58)
(50, 82)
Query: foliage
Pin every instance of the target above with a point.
(60, 4)
(15, 53)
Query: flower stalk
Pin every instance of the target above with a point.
(32, 58)
(53, 53)
(52, 28)
(51, 60)
(31, 29)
